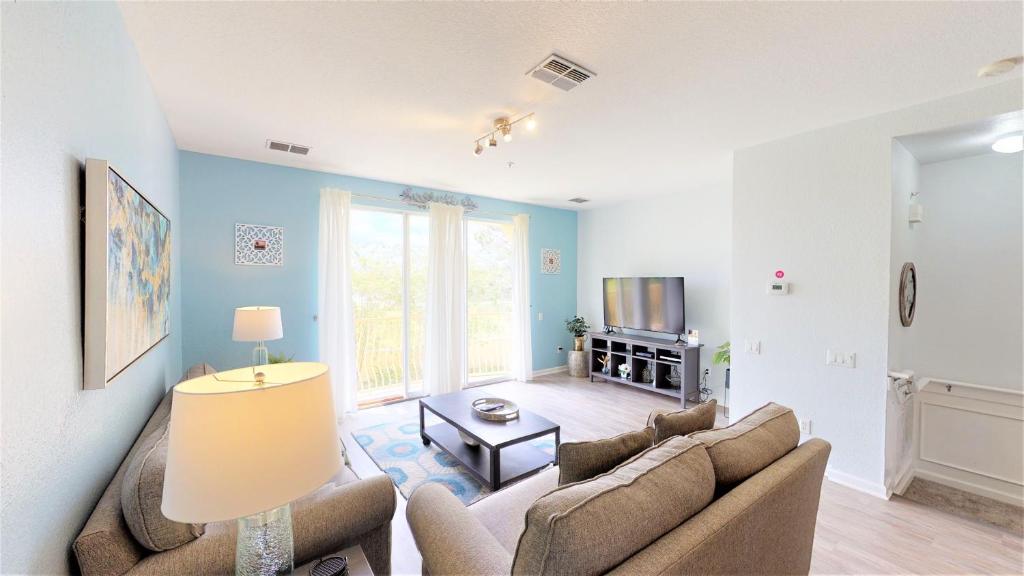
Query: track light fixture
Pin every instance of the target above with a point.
(503, 126)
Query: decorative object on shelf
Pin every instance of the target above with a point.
(259, 245)
(550, 261)
(674, 379)
(605, 363)
(645, 374)
(127, 274)
(908, 294)
(692, 338)
(502, 126)
(242, 448)
(623, 370)
(722, 356)
(258, 324)
(422, 200)
(330, 566)
(495, 409)
(578, 327)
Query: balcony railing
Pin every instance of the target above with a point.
(379, 350)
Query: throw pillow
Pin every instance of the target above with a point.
(142, 493)
(667, 425)
(743, 449)
(579, 461)
(590, 527)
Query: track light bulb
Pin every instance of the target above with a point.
(531, 124)
(492, 143)
(478, 150)
(507, 137)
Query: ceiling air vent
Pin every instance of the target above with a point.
(560, 73)
(286, 147)
(579, 200)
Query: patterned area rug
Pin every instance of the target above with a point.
(399, 452)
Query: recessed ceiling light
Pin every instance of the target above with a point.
(1009, 144)
(999, 67)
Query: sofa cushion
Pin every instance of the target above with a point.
(590, 527)
(743, 449)
(504, 512)
(579, 461)
(683, 422)
(142, 493)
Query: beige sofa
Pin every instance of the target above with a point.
(344, 512)
(763, 525)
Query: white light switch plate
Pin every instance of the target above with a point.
(752, 346)
(840, 359)
(540, 316)
(805, 427)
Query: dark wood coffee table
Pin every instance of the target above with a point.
(503, 455)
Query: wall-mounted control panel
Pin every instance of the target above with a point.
(778, 287)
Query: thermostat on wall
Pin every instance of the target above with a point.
(777, 287)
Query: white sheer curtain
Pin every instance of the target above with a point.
(445, 369)
(522, 350)
(336, 322)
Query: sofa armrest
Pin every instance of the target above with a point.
(324, 522)
(450, 539)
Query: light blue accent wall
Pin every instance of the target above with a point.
(218, 192)
(73, 88)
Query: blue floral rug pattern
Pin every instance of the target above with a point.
(397, 449)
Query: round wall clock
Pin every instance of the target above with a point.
(908, 294)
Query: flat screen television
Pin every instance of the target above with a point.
(654, 304)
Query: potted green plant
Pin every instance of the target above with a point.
(279, 358)
(578, 327)
(723, 356)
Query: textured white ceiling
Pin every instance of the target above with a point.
(962, 141)
(399, 91)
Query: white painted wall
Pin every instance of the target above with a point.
(818, 205)
(73, 88)
(968, 258)
(683, 234)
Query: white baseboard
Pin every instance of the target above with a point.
(857, 483)
(903, 480)
(549, 371)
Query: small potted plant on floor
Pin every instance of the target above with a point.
(722, 356)
(578, 327)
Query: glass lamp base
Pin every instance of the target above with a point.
(260, 354)
(265, 546)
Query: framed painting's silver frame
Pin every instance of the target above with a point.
(95, 248)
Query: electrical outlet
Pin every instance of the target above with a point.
(840, 359)
(752, 346)
(805, 427)
(540, 316)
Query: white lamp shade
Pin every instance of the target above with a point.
(254, 323)
(237, 448)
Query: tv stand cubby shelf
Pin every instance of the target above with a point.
(657, 355)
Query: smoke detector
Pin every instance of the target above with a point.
(579, 200)
(288, 147)
(561, 73)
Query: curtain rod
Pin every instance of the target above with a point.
(411, 205)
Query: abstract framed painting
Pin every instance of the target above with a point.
(127, 274)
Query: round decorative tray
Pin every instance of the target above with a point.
(506, 410)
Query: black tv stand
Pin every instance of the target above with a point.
(658, 355)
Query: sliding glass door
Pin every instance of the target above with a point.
(488, 300)
(389, 285)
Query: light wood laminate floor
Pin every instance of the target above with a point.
(856, 533)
